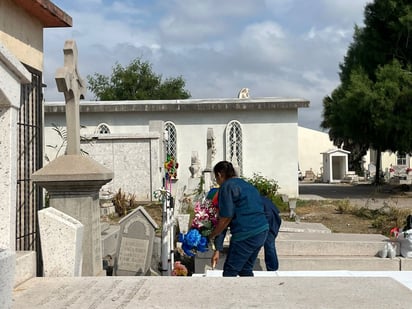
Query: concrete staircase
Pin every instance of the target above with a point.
(312, 249)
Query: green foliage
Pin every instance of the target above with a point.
(136, 81)
(268, 188)
(372, 105)
(280, 204)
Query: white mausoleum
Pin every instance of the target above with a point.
(260, 135)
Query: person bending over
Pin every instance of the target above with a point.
(240, 209)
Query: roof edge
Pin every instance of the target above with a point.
(49, 14)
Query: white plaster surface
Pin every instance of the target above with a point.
(12, 75)
(22, 34)
(310, 290)
(61, 240)
(130, 158)
(7, 268)
(270, 138)
(8, 181)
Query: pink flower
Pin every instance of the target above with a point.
(179, 269)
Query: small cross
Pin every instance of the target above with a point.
(69, 82)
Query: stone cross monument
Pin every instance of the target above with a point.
(72, 85)
(73, 181)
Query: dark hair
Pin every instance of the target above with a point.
(225, 168)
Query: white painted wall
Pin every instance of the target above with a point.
(312, 144)
(270, 138)
(22, 34)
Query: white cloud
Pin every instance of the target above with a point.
(265, 42)
(329, 33)
(274, 47)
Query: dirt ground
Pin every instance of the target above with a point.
(329, 216)
(321, 205)
(326, 211)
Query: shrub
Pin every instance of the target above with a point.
(269, 188)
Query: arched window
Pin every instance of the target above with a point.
(234, 141)
(102, 128)
(170, 138)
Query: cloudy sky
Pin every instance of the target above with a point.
(287, 48)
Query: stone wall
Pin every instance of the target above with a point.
(134, 159)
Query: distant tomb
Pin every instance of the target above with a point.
(135, 244)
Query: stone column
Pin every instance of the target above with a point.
(73, 183)
(12, 76)
(156, 155)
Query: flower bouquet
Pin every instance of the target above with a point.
(204, 221)
(179, 269)
(171, 167)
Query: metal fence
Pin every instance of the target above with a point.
(29, 159)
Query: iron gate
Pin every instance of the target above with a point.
(29, 159)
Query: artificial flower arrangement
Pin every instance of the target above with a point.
(171, 167)
(203, 223)
(179, 269)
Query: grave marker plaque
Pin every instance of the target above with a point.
(135, 245)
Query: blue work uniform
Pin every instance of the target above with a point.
(241, 202)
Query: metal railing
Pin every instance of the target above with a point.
(29, 159)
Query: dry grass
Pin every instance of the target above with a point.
(342, 217)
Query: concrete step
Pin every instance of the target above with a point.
(325, 244)
(303, 227)
(306, 291)
(327, 263)
(25, 266)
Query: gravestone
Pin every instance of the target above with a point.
(210, 154)
(73, 181)
(109, 240)
(135, 245)
(211, 149)
(61, 239)
(7, 267)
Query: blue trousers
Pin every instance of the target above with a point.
(271, 257)
(242, 255)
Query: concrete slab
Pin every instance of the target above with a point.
(26, 266)
(303, 227)
(334, 244)
(406, 264)
(324, 263)
(199, 292)
(405, 277)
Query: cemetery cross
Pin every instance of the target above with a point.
(73, 86)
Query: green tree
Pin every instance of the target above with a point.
(372, 105)
(136, 81)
